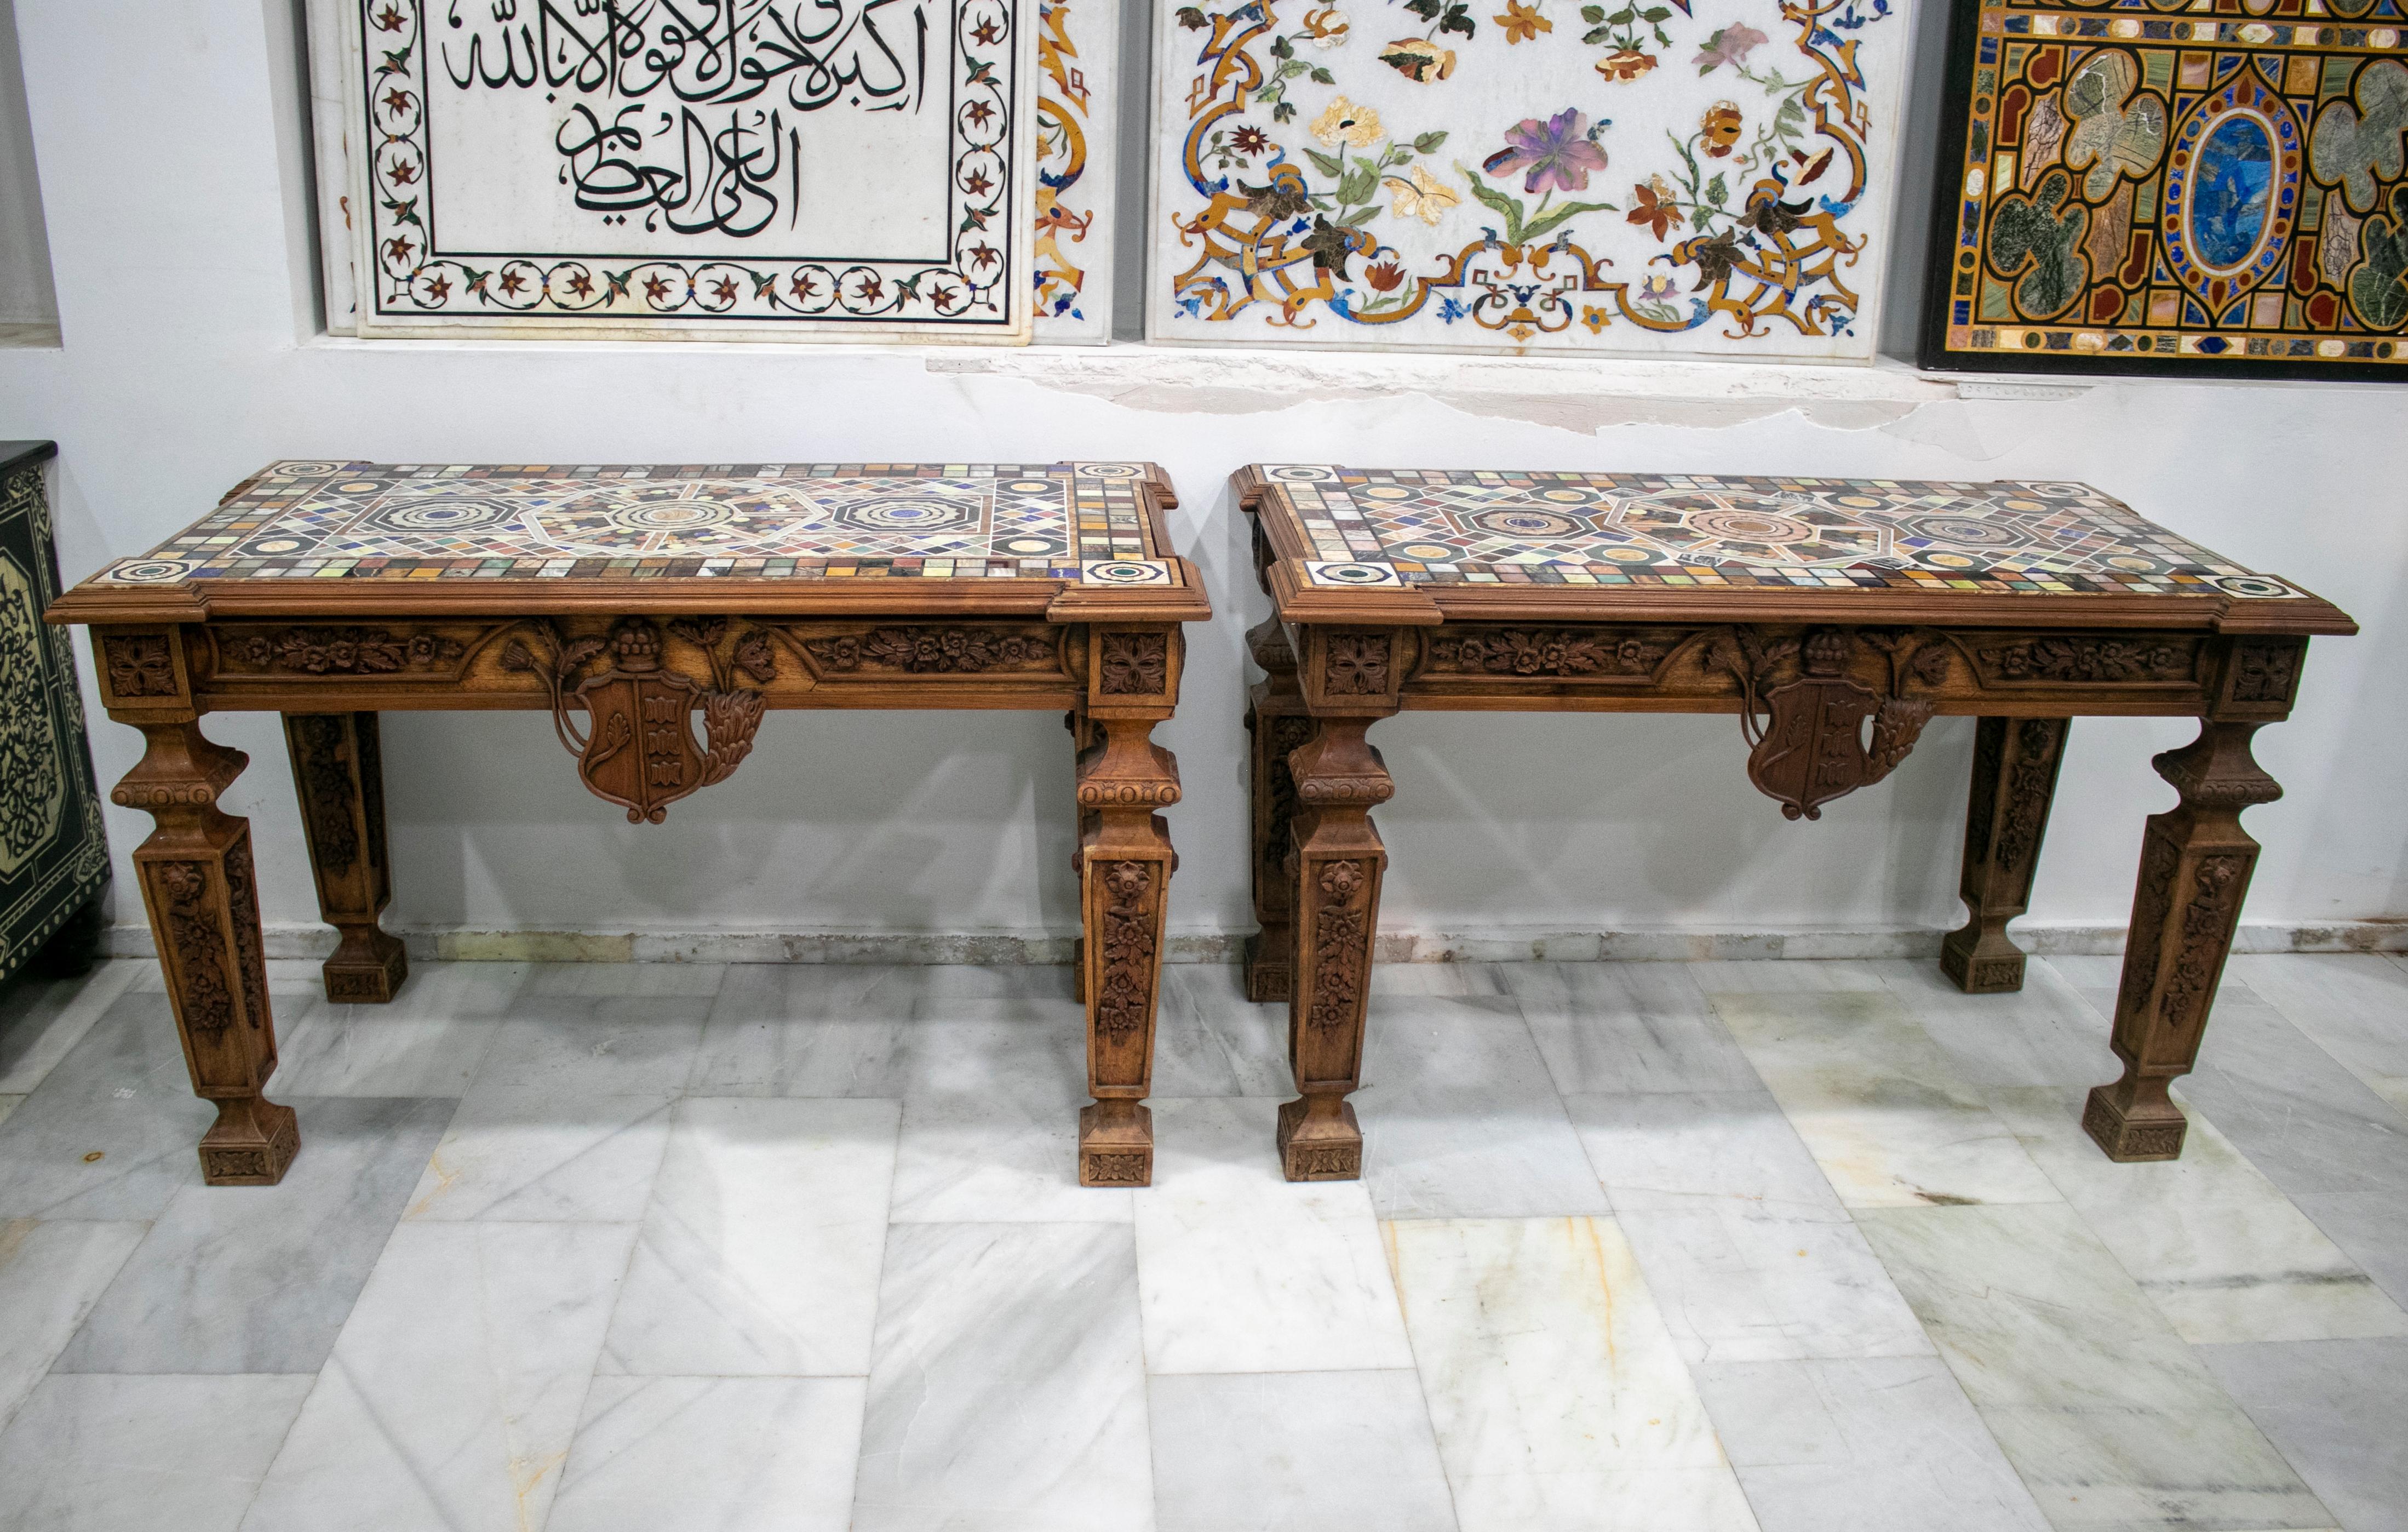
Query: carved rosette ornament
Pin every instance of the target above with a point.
(1809, 745)
(2082, 657)
(640, 751)
(1133, 664)
(139, 665)
(1356, 664)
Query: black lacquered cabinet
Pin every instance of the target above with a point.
(53, 851)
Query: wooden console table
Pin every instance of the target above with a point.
(1835, 618)
(623, 601)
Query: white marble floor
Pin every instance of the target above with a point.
(1640, 1248)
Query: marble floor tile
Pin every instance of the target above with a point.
(1296, 1451)
(1661, 1152)
(1453, 980)
(2370, 1230)
(2311, 1125)
(428, 1041)
(786, 1032)
(455, 1393)
(114, 1130)
(760, 1249)
(124, 1453)
(1879, 1105)
(9, 1104)
(1210, 1041)
(1746, 976)
(2045, 1034)
(2336, 1408)
(286, 977)
(1460, 1119)
(535, 1155)
(1626, 1027)
(995, 1160)
(596, 1043)
(2109, 1419)
(259, 1279)
(2091, 974)
(2354, 1005)
(1887, 1444)
(40, 1019)
(1747, 1249)
(1008, 1394)
(50, 1275)
(713, 1455)
(627, 980)
(2223, 1254)
(1555, 1389)
(1240, 1271)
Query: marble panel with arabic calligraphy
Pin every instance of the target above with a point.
(844, 170)
(1668, 179)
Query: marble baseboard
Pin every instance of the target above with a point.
(312, 940)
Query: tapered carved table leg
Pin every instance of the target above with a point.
(2195, 865)
(1275, 719)
(2016, 763)
(196, 871)
(1338, 863)
(339, 773)
(1125, 867)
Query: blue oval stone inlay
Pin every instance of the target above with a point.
(2229, 189)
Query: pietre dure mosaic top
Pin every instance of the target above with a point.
(1395, 527)
(1083, 522)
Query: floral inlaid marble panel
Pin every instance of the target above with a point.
(1078, 138)
(316, 520)
(1660, 179)
(1388, 527)
(769, 168)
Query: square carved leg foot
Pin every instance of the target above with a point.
(2130, 1136)
(1325, 1145)
(369, 968)
(1115, 1143)
(1982, 963)
(1269, 978)
(251, 1143)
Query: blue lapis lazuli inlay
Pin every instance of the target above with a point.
(2229, 191)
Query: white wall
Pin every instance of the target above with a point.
(184, 267)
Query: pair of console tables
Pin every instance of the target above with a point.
(1835, 618)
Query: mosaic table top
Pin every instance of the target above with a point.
(1396, 528)
(1083, 523)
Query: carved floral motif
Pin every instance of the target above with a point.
(2080, 658)
(326, 792)
(1126, 991)
(342, 651)
(1565, 652)
(204, 1000)
(1339, 927)
(939, 651)
(2028, 798)
(2215, 889)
